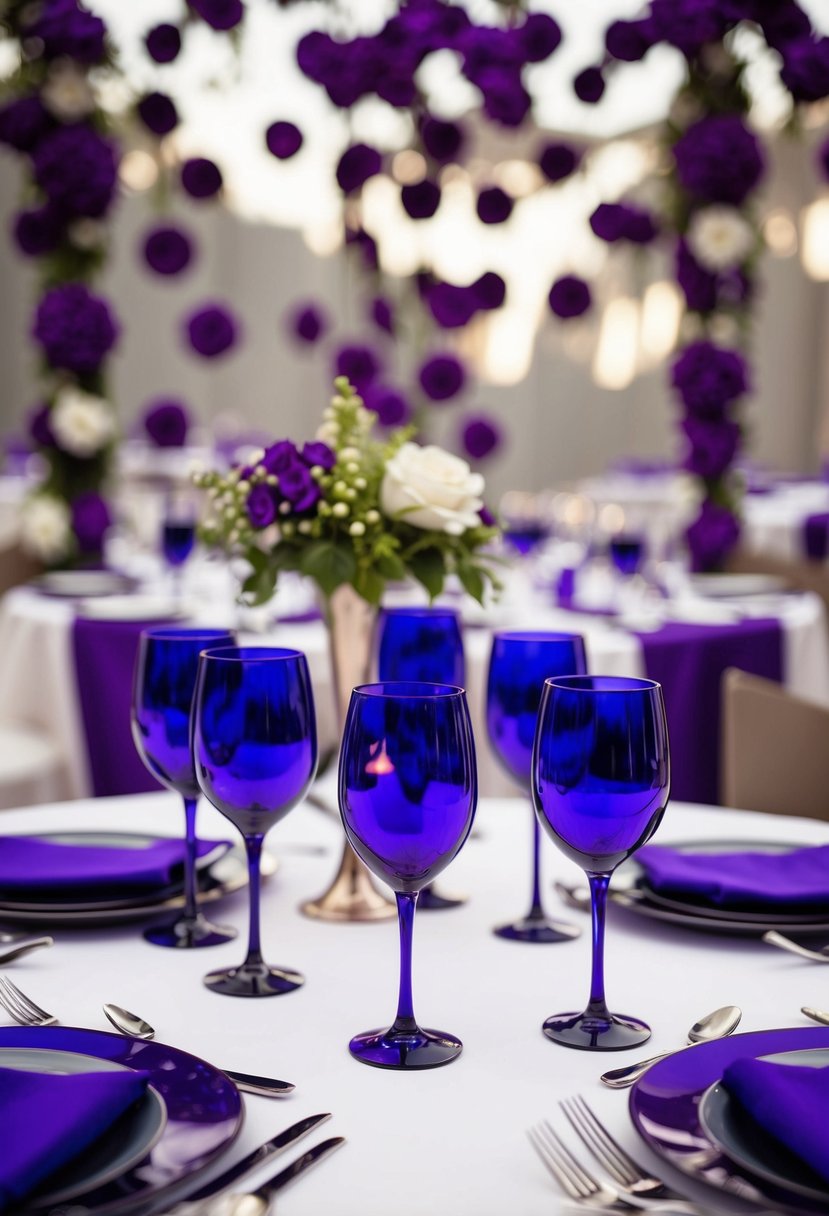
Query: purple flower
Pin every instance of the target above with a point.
(382, 314)
(308, 323)
(75, 328)
(621, 222)
(452, 307)
(316, 55)
(356, 165)
(163, 43)
(442, 139)
(708, 378)
(441, 377)
(390, 406)
(698, 285)
(261, 505)
(317, 453)
(220, 14)
(558, 161)
(359, 364)
(23, 121)
(91, 517)
(506, 101)
(494, 205)
(569, 297)
(39, 231)
(718, 159)
(166, 424)
(687, 24)
(168, 250)
(589, 85)
(823, 158)
(538, 37)
(283, 140)
(211, 330)
(487, 518)
(40, 428)
(805, 71)
(489, 291)
(200, 177)
(67, 30)
(298, 486)
(158, 113)
(76, 169)
(628, 40)
(480, 437)
(420, 199)
(782, 23)
(711, 536)
(280, 456)
(712, 446)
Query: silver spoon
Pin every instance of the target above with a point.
(785, 943)
(714, 1025)
(817, 1015)
(24, 947)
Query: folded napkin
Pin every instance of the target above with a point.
(816, 536)
(48, 1119)
(730, 880)
(30, 863)
(790, 1102)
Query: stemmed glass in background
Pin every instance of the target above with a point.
(255, 752)
(163, 686)
(178, 534)
(627, 552)
(601, 780)
(408, 791)
(519, 663)
(422, 644)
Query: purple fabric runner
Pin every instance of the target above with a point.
(688, 661)
(816, 536)
(104, 660)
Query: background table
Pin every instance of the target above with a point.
(452, 1140)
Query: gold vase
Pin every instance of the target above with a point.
(352, 896)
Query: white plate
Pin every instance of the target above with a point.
(75, 584)
(714, 586)
(131, 608)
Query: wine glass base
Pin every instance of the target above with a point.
(590, 1032)
(431, 900)
(420, 1049)
(253, 981)
(538, 929)
(189, 934)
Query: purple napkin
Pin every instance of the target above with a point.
(730, 880)
(789, 1101)
(48, 1119)
(30, 863)
(816, 536)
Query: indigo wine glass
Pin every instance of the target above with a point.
(601, 780)
(178, 535)
(255, 752)
(163, 687)
(408, 791)
(422, 644)
(519, 663)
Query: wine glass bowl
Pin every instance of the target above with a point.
(627, 552)
(601, 781)
(407, 792)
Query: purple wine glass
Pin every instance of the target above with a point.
(422, 644)
(162, 700)
(255, 752)
(601, 781)
(177, 541)
(408, 791)
(627, 554)
(519, 663)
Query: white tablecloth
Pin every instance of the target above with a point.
(774, 522)
(452, 1140)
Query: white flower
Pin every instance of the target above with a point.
(67, 94)
(45, 527)
(82, 424)
(442, 489)
(720, 237)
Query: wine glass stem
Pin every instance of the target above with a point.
(405, 1022)
(253, 846)
(191, 908)
(536, 910)
(598, 894)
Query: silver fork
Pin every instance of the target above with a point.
(21, 1007)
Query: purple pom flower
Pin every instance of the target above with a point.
(166, 424)
(698, 285)
(452, 307)
(39, 231)
(40, 428)
(489, 291)
(23, 122)
(359, 364)
(356, 165)
(211, 330)
(298, 486)
(75, 328)
(420, 199)
(308, 323)
(163, 43)
(589, 85)
(628, 41)
(219, 14)
(261, 505)
(712, 446)
(382, 314)
(200, 177)
(76, 169)
(441, 377)
(558, 161)
(688, 24)
(280, 456)
(506, 101)
(719, 160)
(283, 140)
(390, 406)
(782, 23)
(805, 71)
(823, 158)
(68, 31)
(708, 378)
(538, 37)
(91, 517)
(480, 437)
(442, 139)
(158, 113)
(494, 205)
(168, 250)
(711, 536)
(569, 297)
(317, 453)
(621, 222)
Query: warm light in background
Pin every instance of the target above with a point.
(814, 249)
(780, 233)
(138, 170)
(614, 365)
(661, 313)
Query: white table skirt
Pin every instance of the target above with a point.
(452, 1140)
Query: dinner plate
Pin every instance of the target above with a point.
(126, 1142)
(665, 1107)
(78, 584)
(204, 1113)
(131, 608)
(749, 1147)
(715, 585)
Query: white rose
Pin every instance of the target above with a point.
(82, 424)
(45, 527)
(720, 237)
(434, 489)
(67, 94)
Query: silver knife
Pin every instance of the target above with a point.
(258, 1202)
(267, 1087)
